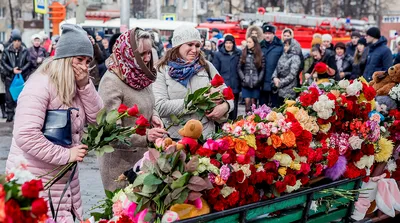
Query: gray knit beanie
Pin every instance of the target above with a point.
(73, 42)
(185, 34)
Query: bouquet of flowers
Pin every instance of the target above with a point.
(19, 197)
(100, 136)
(204, 99)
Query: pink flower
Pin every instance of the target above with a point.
(198, 204)
(117, 208)
(211, 145)
(225, 172)
(211, 177)
(223, 145)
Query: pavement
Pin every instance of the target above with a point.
(89, 174)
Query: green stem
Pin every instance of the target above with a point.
(50, 172)
(63, 170)
(179, 117)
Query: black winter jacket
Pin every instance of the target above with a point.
(250, 76)
(12, 58)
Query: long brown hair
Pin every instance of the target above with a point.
(173, 55)
(358, 55)
(257, 53)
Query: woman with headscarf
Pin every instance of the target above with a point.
(128, 81)
(184, 69)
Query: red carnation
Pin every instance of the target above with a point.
(305, 168)
(217, 81)
(269, 178)
(270, 166)
(233, 198)
(219, 206)
(228, 157)
(280, 186)
(32, 188)
(304, 180)
(39, 207)
(331, 97)
(142, 121)
(215, 163)
(368, 149)
(122, 109)
(305, 99)
(321, 68)
(214, 192)
(369, 92)
(228, 93)
(204, 152)
(240, 176)
(352, 171)
(269, 152)
(333, 157)
(318, 170)
(290, 180)
(133, 111)
(319, 155)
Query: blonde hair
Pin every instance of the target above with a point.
(62, 75)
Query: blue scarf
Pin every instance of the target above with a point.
(182, 71)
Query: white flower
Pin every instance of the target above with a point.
(395, 92)
(344, 83)
(355, 142)
(290, 189)
(246, 170)
(314, 206)
(391, 166)
(21, 175)
(354, 88)
(324, 107)
(226, 191)
(201, 168)
(365, 161)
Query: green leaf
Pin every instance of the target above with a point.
(164, 165)
(149, 216)
(180, 182)
(218, 156)
(215, 94)
(99, 152)
(111, 137)
(139, 179)
(100, 116)
(107, 149)
(149, 189)
(99, 135)
(177, 192)
(183, 196)
(192, 165)
(109, 194)
(112, 117)
(203, 106)
(151, 180)
(97, 216)
(176, 174)
(141, 205)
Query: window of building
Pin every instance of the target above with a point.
(2, 12)
(18, 13)
(2, 36)
(185, 4)
(203, 5)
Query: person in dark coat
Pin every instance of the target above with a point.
(397, 58)
(344, 62)
(37, 53)
(351, 46)
(15, 60)
(286, 73)
(251, 72)
(272, 48)
(320, 54)
(14, 32)
(226, 61)
(360, 59)
(380, 56)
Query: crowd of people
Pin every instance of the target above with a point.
(88, 72)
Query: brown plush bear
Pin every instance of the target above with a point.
(190, 133)
(384, 81)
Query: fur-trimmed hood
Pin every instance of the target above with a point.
(260, 35)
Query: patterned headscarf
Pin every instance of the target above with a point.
(122, 63)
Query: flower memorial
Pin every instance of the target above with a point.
(329, 131)
(19, 197)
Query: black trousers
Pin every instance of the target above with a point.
(233, 114)
(10, 103)
(270, 99)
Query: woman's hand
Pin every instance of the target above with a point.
(219, 111)
(156, 122)
(277, 82)
(341, 74)
(155, 133)
(77, 153)
(81, 75)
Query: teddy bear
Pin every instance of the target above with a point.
(384, 81)
(191, 132)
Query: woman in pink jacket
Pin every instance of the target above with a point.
(61, 82)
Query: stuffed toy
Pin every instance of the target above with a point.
(384, 81)
(191, 210)
(190, 133)
(383, 104)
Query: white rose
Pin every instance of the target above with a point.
(354, 88)
(391, 166)
(226, 191)
(355, 142)
(325, 114)
(344, 83)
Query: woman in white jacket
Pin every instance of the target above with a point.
(184, 69)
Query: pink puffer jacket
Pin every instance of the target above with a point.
(28, 141)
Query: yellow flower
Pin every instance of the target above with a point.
(272, 116)
(293, 110)
(373, 104)
(251, 140)
(385, 147)
(325, 128)
(362, 79)
(290, 103)
(282, 171)
(295, 166)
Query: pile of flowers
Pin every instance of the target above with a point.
(19, 197)
(328, 131)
